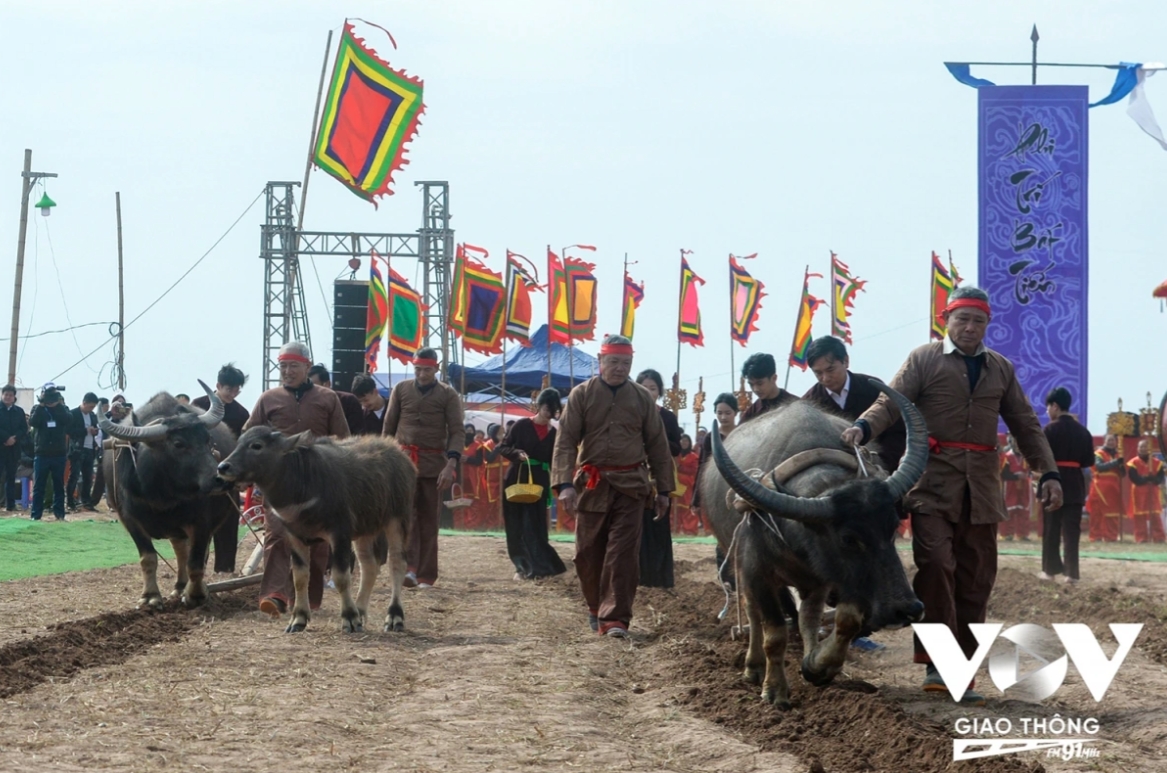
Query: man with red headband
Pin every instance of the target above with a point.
(425, 416)
(961, 387)
(609, 430)
(293, 407)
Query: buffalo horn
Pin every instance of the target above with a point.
(130, 432)
(215, 414)
(804, 509)
(916, 456)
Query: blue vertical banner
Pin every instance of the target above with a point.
(1033, 250)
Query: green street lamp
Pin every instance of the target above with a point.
(45, 205)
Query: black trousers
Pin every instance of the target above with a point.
(81, 468)
(11, 459)
(226, 544)
(1063, 525)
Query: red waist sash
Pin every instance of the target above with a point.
(935, 445)
(413, 452)
(1069, 464)
(594, 470)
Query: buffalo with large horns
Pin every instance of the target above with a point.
(161, 468)
(818, 519)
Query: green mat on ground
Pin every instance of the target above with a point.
(31, 549)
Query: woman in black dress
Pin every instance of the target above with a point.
(531, 440)
(656, 538)
(725, 408)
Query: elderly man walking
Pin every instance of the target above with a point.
(961, 387)
(609, 429)
(296, 406)
(425, 416)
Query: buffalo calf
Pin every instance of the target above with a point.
(354, 493)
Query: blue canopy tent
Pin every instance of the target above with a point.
(527, 365)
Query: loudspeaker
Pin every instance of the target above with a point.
(349, 315)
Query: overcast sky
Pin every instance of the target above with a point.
(783, 128)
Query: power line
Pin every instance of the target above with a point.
(166, 292)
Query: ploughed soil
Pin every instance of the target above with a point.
(494, 674)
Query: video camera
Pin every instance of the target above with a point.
(50, 393)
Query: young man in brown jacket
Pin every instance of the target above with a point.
(961, 387)
(425, 417)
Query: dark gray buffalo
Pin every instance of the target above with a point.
(356, 492)
(818, 527)
(161, 471)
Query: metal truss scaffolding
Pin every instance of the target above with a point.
(284, 312)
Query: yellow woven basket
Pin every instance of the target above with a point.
(525, 493)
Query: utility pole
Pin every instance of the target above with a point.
(121, 364)
(28, 179)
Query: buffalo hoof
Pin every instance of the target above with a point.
(150, 602)
(776, 700)
(817, 678)
(396, 626)
(190, 602)
(352, 626)
(296, 626)
(754, 675)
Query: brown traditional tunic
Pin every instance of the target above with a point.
(427, 424)
(317, 410)
(604, 428)
(307, 408)
(957, 503)
(936, 378)
(610, 433)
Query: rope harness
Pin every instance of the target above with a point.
(736, 502)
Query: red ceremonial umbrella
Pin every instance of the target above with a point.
(1160, 291)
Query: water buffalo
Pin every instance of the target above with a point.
(162, 468)
(354, 492)
(818, 527)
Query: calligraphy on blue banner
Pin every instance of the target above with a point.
(1033, 250)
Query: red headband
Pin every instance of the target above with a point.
(424, 362)
(970, 303)
(616, 349)
(290, 357)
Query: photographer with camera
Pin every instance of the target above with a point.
(82, 452)
(51, 423)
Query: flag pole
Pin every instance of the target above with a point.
(315, 129)
(502, 421)
(831, 289)
(801, 298)
(570, 320)
(389, 321)
(732, 366)
(680, 310)
(624, 294)
(550, 309)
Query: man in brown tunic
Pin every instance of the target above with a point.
(425, 416)
(608, 430)
(961, 388)
(296, 406)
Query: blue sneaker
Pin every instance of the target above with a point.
(863, 644)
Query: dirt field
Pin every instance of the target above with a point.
(498, 675)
